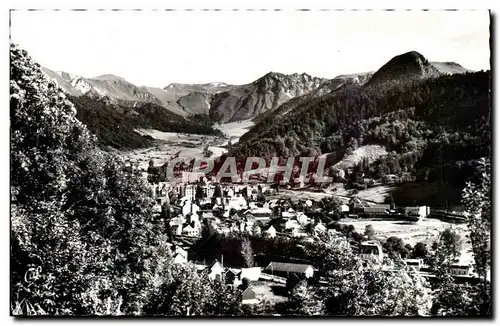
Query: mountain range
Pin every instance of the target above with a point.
(431, 117)
(228, 103)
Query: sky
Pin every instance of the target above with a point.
(156, 48)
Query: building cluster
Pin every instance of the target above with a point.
(361, 208)
(189, 209)
(231, 209)
(243, 209)
(372, 251)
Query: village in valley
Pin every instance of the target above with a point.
(195, 209)
(343, 171)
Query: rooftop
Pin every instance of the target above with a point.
(287, 267)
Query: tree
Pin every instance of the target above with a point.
(395, 248)
(371, 291)
(83, 237)
(333, 254)
(245, 283)
(247, 252)
(420, 250)
(446, 251)
(477, 201)
(369, 231)
(302, 301)
(225, 300)
(198, 192)
(43, 237)
(454, 299)
(218, 191)
(207, 152)
(309, 228)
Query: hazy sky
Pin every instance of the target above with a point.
(157, 48)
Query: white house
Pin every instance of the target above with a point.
(421, 211)
(261, 211)
(238, 202)
(291, 224)
(190, 231)
(180, 259)
(288, 269)
(414, 264)
(179, 250)
(188, 191)
(252, 273)
(270, 232)
(180, 254)
(289, 213)
(460, 269)
(371, 251)
(215, 271)
(344, 208)
(248, 297)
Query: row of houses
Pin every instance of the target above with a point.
(244, 277)
(366, 209)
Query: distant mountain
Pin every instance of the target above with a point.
(184, 89)
(334, 84)
(434, 127)
(62, 79)
(410, 65)
(119, 91)
(263, 95)
(115, 88)
(271, 96)
(450, 68)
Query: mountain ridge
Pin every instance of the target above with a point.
(407, 65)
(258, 99)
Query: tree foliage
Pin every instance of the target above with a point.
(83, 237)
(247, 252)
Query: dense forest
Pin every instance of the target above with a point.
(115, 125)
(436, 127)
(458, 103)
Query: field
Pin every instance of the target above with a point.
(426, 231)
(234, 130)
(187, 146)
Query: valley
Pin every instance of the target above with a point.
(216, 163)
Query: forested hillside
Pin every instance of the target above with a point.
(435, 128)
(437, 116)
(83, 239)
(115, 125)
